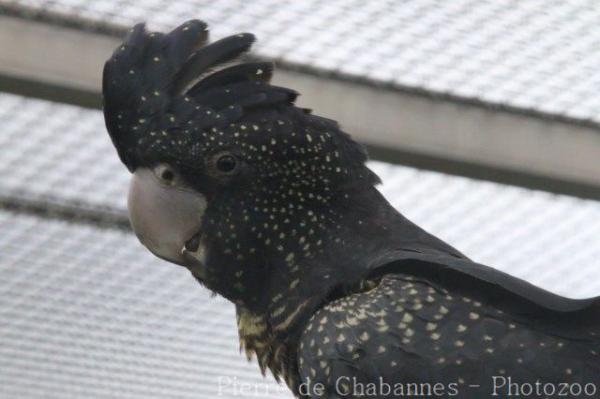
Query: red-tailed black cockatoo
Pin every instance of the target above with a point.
(273, 208)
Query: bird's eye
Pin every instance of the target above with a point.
(165, 173)
(226, 163)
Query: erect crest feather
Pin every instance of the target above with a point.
(154, 79)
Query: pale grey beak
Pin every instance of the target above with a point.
(164, 216)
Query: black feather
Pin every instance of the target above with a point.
(255, 71)
(206, 57)
(184, 40)
(136, 75)
(240, 93)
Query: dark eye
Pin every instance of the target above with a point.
(167, 175)
(226, 163)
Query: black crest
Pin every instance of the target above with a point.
(155, 82)
(174, 98)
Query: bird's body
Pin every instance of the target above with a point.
(412, 310)
(274, 209)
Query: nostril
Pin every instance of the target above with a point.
(193, 243)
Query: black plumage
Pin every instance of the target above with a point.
(329, 281)
(411, 330)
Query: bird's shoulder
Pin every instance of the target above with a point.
(398, 320)
(407, 328)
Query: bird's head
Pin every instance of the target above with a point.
(230, 178)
